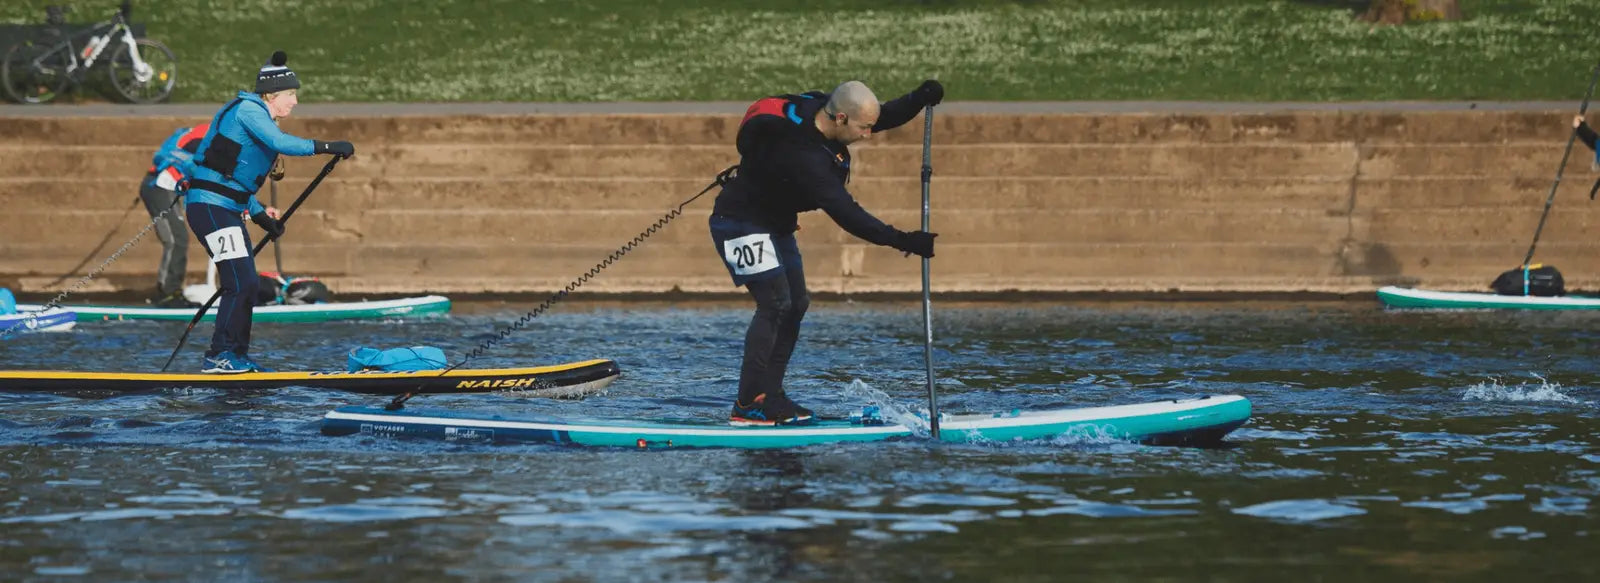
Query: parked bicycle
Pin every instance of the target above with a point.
(140, 70)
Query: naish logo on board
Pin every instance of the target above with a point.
(340, 373)
(498, 384)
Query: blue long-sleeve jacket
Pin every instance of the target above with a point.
(260, 142)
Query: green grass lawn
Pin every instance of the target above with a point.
(652, 50)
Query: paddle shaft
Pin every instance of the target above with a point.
(927, 287)
(277, 251)
(1560, 169)
(201, 313)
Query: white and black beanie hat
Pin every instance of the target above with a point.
(275, 77)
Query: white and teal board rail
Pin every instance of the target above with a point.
(1403, 297)
(1196, 421)
(325, 312)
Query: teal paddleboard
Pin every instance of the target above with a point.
(1196, 421)
(1402, 297)
(323, 312)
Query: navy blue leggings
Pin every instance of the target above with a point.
(236, 277)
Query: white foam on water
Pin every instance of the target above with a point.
(888, 409)
(1544, 391)
(917, 421)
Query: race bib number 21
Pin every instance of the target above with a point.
(750, 254)
(227, 243)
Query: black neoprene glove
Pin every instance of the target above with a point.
(341, 149)
(273, 227)
(918, 242)
(931, 92)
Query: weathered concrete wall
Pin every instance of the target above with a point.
(1300, 201)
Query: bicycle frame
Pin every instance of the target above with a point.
(36, 70)
(96, 47)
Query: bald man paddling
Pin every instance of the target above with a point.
(795, 157)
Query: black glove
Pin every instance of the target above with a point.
(340, 149)
(930, 93)
(918, 242)
(273, 227)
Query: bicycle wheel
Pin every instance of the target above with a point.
(151, 83)
(33, 74)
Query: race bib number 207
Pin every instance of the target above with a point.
(750, 254)
(227, 243)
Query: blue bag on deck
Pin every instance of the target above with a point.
(8, 302)
(413, 358)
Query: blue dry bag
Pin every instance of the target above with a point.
(413, 358)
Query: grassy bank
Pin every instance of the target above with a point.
(648, 50)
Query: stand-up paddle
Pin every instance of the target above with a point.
(277, 252)
(927, 296)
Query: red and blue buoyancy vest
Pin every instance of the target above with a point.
(773, 130)
(178, 148)
(785, 116)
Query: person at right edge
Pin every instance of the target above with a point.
(1588, 136)
(234, 160)
(794, 157)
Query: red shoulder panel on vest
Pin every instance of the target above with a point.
(767, 106)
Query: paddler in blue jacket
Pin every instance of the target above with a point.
(794, 157)
(233, 161)
(160, 189)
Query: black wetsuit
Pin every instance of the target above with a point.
(787, 167)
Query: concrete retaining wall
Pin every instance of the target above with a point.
(1323, 201)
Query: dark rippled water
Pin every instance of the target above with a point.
(1386, 446)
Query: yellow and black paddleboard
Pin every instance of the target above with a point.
(564, 380)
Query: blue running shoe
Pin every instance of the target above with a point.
(767, 412)
(225, 362)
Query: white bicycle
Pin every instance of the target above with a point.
(140, 70)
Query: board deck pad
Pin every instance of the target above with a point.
(570, 379)
(1195, 421)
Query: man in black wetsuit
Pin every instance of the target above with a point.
(794, 157)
